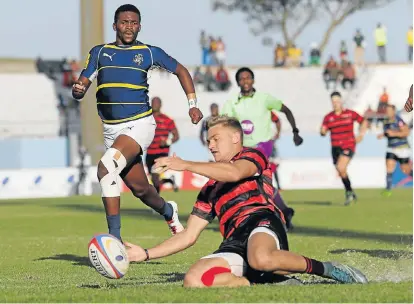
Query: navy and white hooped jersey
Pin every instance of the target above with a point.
(121, 72)
(395, 125)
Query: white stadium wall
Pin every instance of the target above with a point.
(29, 106)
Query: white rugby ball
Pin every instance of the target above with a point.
(108, 255)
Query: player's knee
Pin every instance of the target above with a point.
(110, 166)
(341, 171)
(192, 280)
(262, 262)
(102, 171)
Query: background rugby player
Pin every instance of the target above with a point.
(340, 123)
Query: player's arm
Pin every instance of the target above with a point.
(277, 105)
(177, 243)
(250, 164)
(403, 131)
(276, 121)
(324, 127)
(162, 60)
(174, 132)
(409, 103)
(363, 125)
(87, 75)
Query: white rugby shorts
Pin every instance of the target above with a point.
(237, 264)
(404, 152)
(141, 130)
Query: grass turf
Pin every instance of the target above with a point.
(44, 251)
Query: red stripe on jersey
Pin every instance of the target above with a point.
(341, 128)
(234, 202)
(165, 126)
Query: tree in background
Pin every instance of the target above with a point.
(291, 17)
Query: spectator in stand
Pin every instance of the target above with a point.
(222, 79)
(209, 80)
(359, 55)
(331, 73)
(294, 56)
(381, 42)
(370, 116)
(382, 105)
(410, 44)
(220, 51)
(348, 76)
(213, 49)
(198, 76)
(315, 55)
(279, 56)
(205, 48)
(74, 65)
(343, 51)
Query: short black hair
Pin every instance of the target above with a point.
(127, 8)
(336, 93)
(213, 105)
(241, 70)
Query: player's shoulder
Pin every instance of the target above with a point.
(330, 114)
(166, 117)
(151, 47)
(97, 48)
(262, 95)
(251, 153)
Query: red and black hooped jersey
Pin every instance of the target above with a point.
(234, 202)
(165, 126)
(342, 128)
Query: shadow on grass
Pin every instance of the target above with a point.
(75, 259)
(378, 253)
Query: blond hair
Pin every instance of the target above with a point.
(225, 121)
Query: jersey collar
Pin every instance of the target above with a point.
(240, 97)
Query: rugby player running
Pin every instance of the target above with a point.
(121, 69)
(253, 109)
(160, 146)
(340, 123)
(239, 193)
(398, 149)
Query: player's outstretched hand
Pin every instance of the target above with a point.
(195, 115)
(297, 139)
(78, 89)
(175, 163)
(135, 252)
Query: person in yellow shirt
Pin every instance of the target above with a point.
(410, 44)
(381, 41)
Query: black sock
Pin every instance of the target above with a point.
(157, 188)
(347, 184)
(114, 225)
(167, 211)
(314, 267)
(389, 181)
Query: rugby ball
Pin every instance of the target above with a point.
(108, 255)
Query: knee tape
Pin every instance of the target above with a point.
(208, 277)
(114, 162)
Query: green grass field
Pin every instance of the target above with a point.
(44, 251)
